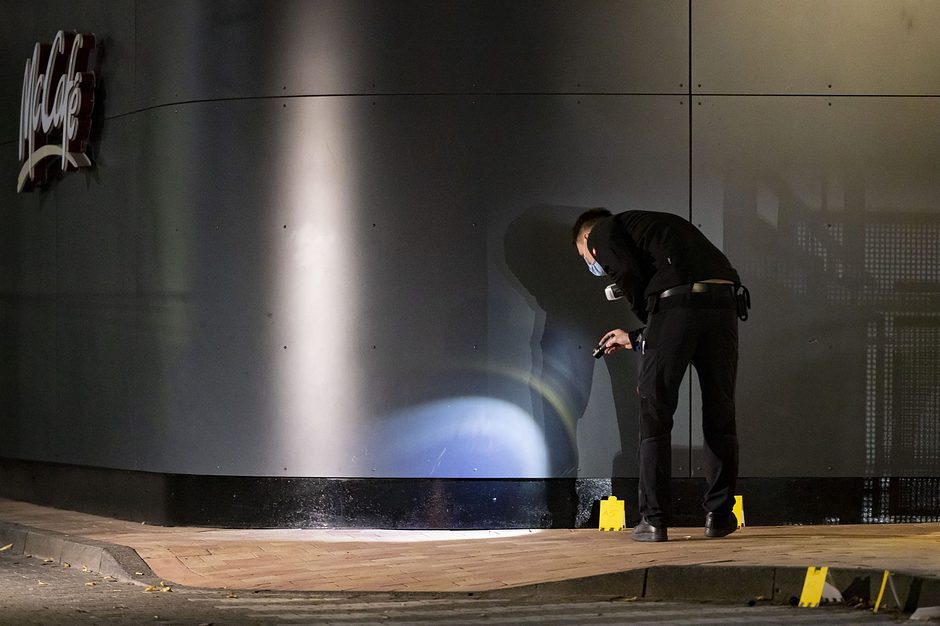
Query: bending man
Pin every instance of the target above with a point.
(685, 289)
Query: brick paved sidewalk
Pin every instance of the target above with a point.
(384, 560)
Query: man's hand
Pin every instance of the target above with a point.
(615, 341)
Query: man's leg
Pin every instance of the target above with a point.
(669, 348)
(716, 362)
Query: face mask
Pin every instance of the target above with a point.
(596, 269)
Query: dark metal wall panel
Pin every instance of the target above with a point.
(69, 285)
(260, 278)
(208, 50)
(487, 210)
(272, 286)
(453, 503)
(815, 47)
(349, 296)
(211, 252)
(97, 304)
(27, 289)
(830, 210)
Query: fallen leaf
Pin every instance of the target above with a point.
(162, 587)
(6, 547)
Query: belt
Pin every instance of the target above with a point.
(696, 288)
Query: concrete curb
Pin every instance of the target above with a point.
(119, 562)
(735, 583)
(704, 583)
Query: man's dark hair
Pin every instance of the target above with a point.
(586, 219)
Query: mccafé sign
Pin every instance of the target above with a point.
(55, 109)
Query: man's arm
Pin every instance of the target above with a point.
(628, 274)
(617, 253)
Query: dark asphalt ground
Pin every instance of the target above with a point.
(37, 592)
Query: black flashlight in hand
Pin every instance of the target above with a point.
(599, 350)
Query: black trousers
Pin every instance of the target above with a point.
(699, 329)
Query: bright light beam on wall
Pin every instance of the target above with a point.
(318, 383)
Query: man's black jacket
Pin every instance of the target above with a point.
(647, 252)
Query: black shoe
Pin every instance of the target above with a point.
(720, 526)
(644, 531)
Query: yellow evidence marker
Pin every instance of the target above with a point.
(887, 580)
(738, 510)
(613, 515)
(813, 586)
(817, 588)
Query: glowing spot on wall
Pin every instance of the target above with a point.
(464, 437)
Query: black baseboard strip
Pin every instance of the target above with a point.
(443, 503)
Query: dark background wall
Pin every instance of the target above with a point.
(329, 239)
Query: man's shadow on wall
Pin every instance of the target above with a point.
(572, 314)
